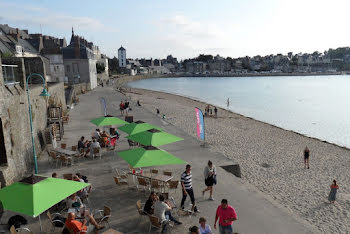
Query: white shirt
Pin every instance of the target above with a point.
(206, 230)
(97, 135)
(159, 210)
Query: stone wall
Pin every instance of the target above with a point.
(16, 128)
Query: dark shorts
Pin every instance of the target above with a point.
(209, 181)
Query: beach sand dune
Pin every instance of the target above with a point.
(271, 159)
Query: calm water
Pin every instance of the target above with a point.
(317, 106)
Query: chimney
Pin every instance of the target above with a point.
(76, 47)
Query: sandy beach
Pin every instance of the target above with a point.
(271, 159)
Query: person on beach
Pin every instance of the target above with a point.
(306, 158)
(226, 215)
(209, 179)
(121, 108)
(203, 227)
(333, 193)
(228, 102)
(216, 112)
(186, 185)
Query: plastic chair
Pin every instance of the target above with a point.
(173, 184)
(66, 160)
(54, 157)
(154, 222)
(142, 182)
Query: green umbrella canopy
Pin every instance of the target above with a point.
(105, 121)
(149, 156)
(35, 194)
(154, 137)
(136, 127)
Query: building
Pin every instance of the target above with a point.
(16, 157)
(80, 62)
(122, 57)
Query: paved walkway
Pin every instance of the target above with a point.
(256, 212)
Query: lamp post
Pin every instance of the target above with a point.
(44, 93)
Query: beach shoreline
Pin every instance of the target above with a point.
(253, 144)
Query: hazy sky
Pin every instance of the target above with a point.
(186, 28)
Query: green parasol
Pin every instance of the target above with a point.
(154, 137)
(136, 127)
(106, 121)
(35, 194)
(149, 156)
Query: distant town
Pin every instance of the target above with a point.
(80, 61)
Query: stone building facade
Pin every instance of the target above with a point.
(16, 158)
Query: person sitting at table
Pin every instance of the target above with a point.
(74, 201)
(104, 137)
(87, 226)
(83, 145)
(148, 208)
(162, 210)
(114, 137)
(97, 134)
(94, 145)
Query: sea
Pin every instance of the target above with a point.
(315, 106)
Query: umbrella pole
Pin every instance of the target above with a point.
(41, 229)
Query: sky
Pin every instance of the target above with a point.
(187, 28)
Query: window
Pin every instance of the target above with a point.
(18, 49)
(8, 72)
(3, 156)
(75, 68)
(68, 68)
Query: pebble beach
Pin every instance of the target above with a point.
(271, 158)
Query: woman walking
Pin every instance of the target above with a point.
(306, 157)
(210, 178)
(333, 192)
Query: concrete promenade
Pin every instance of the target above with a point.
(257, 213)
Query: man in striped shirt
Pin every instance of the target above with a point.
(186, 184)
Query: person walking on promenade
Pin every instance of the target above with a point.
(306, 158)
(186, 184)
(121, 108)
(209, 178)
(226, 215)
(216, 112)
(333, 193)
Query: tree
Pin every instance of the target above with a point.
(100, 68)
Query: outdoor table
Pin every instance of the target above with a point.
(148, 175)
(64, 151)
(111, 231)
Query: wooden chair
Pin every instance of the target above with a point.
(68, 176)
(96, 153)
(140, 210)
(154, 171)
(141, 181)
(14, 230)
(123, 175)
(63, 145)
(155, 185)
(54, 157)
(104, 214)
(167, 173)
(66, 160)
(173, 184)
(54, 222)
(118, 181)
(154, 222)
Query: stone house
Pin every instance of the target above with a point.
(80, 62)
